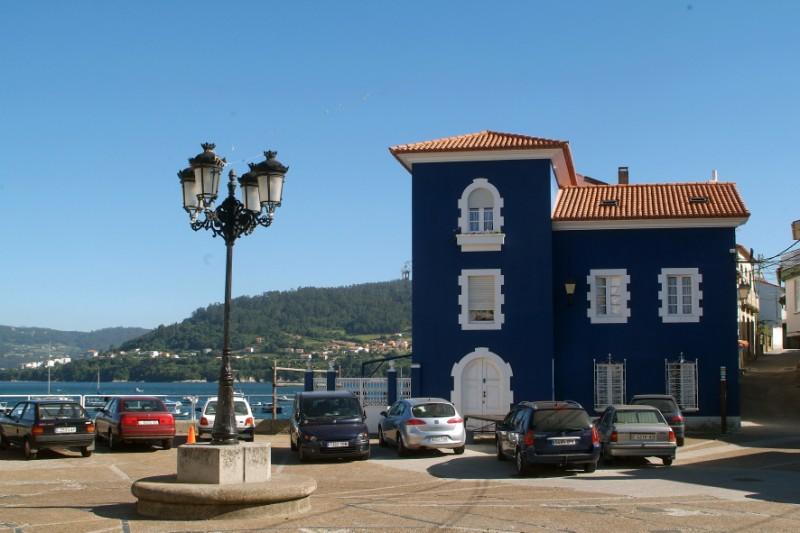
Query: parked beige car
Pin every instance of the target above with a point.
(636, 431)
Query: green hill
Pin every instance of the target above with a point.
(24, 344)
(281, 317)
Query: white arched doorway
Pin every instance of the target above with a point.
(482, 384)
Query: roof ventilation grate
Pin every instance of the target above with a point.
(698, 199)
(609, 203)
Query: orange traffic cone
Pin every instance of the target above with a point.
(190, 438)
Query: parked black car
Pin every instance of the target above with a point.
(43, 424)
(548, 432)
(328, 424)
(669, 409)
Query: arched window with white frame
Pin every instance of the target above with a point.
(480, 218)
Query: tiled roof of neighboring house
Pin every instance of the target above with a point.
(650, 201)
(487, 141)
(744, 252)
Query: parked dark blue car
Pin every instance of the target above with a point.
(547, 432)
(328, 424)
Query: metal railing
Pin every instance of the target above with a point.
(182, 407)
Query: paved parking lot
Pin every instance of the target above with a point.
(747, 481)
(714, 485)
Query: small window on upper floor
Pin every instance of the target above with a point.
(680, 295)
(480, 218)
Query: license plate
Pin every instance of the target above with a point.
(148, 422)
(343, 444)
(643, 436)
(438, 440)
(66, 430)
(564, 442)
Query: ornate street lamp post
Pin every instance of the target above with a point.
(262, 190)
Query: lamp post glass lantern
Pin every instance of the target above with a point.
(262, 190)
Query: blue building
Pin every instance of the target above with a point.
(531, 281)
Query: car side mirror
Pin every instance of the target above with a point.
(383, 413)
(364, 415)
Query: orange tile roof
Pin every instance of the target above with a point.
(483, 140)
(650, 201)
(487, 140)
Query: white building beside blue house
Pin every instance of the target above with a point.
(597, 294)
(771, 314)
(790, 275)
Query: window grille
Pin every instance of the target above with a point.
(609, 383)
(681, 383)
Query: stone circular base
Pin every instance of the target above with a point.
(165, 498)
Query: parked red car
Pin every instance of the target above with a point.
(135, 419)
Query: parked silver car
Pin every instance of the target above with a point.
(417, 423)
(636, 431)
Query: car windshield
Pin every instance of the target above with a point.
(52, 411)
(663, 405)
(638, 417)
(341, 407)
(239, 407)
(560, 419)
(142, 406)
(433, 410)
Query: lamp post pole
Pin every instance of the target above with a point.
(262, 191)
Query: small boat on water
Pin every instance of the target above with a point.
(174, 407)
(267, 408)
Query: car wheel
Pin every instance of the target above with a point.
(666, 460)
(521, 463)
(589, 467)
(166, 444)
(402, 451)
(85, 451)
(500, 455)
(27, 451)
(381, 440)
(459, 450)
(301, 454)
(365, 456)
(292, 445)
(679, 441)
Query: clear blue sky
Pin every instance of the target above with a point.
(102, 102)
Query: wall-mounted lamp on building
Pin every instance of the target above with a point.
(569, 288)
(796, 230)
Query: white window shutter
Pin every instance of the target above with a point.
(481, 292)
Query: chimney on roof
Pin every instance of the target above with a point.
(714, 176)
(622, 174)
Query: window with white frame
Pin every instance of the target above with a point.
(681, 377)
(680, 295)
(481, 299)
(609, 384)
(480, 218)
(608, 296)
